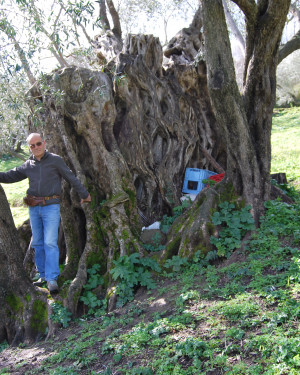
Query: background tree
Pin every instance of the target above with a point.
(149, 16)
(167, 11)
(114, 15)
(13, 114)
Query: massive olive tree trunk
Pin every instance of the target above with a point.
(128, 133)
(130, 130)
(23, 311)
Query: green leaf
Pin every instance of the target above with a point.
(216, 218)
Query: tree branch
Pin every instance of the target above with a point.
(75, 26)
(103, 15)
(57, 18)
(116, 19)
(212, 160)
(220, 67)
(289, 47)
(17, 155)
(294, 9)
(272, 7)
(10, 33)
(248, 7)
(56, 49)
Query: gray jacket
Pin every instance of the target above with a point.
(44, 176)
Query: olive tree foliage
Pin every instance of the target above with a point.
(13, 113)
(16, 76)
(37, 36)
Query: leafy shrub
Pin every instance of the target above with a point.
(192, 347)
(176, 263)
(184, 297)
(239, 308)
(131, 271)
(60, 314)
(155, 246)
(288, 350)
(282, 219)
(235, 333)
(141, 371)
(89, 298)
(235, 224)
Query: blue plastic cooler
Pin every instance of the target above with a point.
(193, 180)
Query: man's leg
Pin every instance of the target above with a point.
(37, 230)
(51, 219)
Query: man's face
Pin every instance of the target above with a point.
(37, 146)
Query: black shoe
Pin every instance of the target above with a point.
(39, 282)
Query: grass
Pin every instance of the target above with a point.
(285, 144)
(15, 192)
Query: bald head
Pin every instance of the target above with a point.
(33, 135)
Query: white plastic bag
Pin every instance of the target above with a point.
(155, 225)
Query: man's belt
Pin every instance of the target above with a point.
(31, 200)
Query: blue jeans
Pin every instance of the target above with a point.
(44, 221)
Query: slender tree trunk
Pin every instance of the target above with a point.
(24, 61)
(245, 120)
(117, 30)
(16, 154)
(103, 15)
(23, 312)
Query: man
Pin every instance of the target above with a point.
(44, 171)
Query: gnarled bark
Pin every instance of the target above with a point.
(192, 231)
(187, 43)
(129, 136)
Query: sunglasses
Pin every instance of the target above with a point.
(38, 144)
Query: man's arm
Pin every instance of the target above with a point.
(14, 175)
(69, 176)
